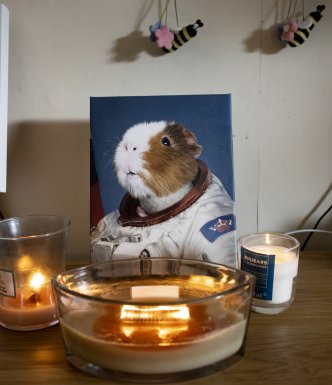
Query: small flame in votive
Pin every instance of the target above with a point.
(37, 280)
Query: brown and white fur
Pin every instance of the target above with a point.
(156, 163)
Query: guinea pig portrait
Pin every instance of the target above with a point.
(174, 206)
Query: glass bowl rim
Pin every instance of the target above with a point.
(66, 224)
(250, 280)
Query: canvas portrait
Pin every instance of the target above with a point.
(162, 178)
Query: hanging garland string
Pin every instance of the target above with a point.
(289, 9)
(176, 14)
(294, 8)
(164, 13)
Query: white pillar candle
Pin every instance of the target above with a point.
(285, 270)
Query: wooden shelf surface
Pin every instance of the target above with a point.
(294, 347)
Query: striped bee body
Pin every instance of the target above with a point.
(184, 36)
(302, 34)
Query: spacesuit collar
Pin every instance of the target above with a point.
(128, 206)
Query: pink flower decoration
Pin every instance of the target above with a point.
(288, 30)
(164, 37)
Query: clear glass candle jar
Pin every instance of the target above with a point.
(273, 259)
(32, 251)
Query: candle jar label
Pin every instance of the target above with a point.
(262, 267)
(7, 284)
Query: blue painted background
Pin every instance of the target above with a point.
(207, 116)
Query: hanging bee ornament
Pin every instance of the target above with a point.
(295, 32)
(184, 36)
(169, 40)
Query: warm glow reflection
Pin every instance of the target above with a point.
(202, 280)
(37, 280)
(128, 330)
(82, 287)
(131, 313)
(25, 263)
(164, 332)
(224, 279)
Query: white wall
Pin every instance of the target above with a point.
(4, 51)
(64, 51)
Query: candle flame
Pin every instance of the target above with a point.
(37, 280)
(164, 333)
(268, 240)
(131, 313)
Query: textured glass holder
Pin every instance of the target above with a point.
(273, 259)
(153, 320)
(32, 251)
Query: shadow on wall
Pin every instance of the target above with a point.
(128, 48)
(48, 172)
(318, 241)
(265, 40)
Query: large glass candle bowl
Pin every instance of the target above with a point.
(153, 320)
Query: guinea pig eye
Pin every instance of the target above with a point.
(165, 141)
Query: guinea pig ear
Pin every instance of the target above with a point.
(195, 148)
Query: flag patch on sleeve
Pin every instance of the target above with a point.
(218, 227)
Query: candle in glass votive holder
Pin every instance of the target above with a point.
(32, 251)
(273, 259)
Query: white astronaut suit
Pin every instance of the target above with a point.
(201, 226)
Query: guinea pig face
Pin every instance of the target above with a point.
(156, 159)
(128, 159)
